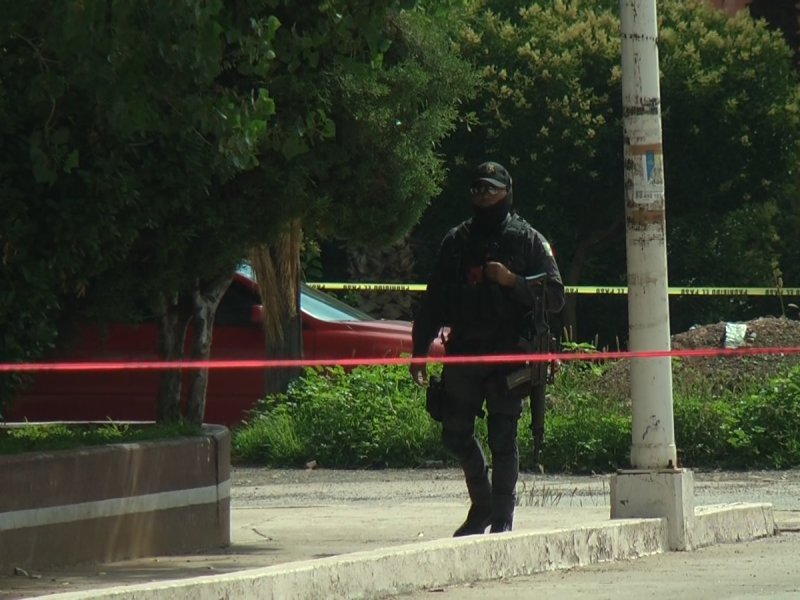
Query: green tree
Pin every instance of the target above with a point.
(370, 182)
(251, 212)
(181, 263)
(550, 108)
(112, 118)
(208, 133)
(781, 15)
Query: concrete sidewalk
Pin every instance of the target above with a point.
(352, 551)
(764, 569)
(267, 536)
(336, 529)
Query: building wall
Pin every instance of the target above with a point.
(730, 6)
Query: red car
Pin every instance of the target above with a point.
(331, 330)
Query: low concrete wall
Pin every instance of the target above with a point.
(419, 566)
(115, 502)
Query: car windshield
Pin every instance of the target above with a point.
(319, 304)
(327, 308)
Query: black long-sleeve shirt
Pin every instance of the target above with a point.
(537, 257)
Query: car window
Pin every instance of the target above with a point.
(327, 308)
(234, 306)
(319, 304)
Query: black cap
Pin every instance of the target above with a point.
(494, 173)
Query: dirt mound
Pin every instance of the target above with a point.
(766, 332)
(719, 372)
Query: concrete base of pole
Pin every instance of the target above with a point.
(669, 494)
(657, 494)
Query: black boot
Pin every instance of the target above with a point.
(505, 470)
(502, 512)
(479, 516)
(500, 526)
(478, 519)
(465, 447)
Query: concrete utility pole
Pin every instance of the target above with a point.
(648, 294)
(655, 487)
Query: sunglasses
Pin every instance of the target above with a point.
(486, 188)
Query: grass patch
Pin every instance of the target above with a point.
(375, 417)
(65, 436)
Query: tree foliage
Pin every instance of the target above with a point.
(370, 181)
(550, 108)
(385, 166)
(147, 148)
(112, 122)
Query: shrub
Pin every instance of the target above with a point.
(375, 417)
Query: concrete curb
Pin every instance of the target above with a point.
(439, 563)
(400, 569)
(726, 523)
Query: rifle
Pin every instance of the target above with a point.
(536, 373)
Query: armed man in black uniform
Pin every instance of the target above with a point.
(485, 285)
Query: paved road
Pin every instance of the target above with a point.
(762, 569)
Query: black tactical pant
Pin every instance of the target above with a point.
(466, 387)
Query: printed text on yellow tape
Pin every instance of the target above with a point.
(580, 289)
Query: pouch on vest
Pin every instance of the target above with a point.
(451, 303)
(434, 398)
(485, 305)
(469, 302)
(498, 302)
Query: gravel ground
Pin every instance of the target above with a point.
(279, 487)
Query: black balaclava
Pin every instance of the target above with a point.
(490, 218)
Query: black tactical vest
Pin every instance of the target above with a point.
(466, 300)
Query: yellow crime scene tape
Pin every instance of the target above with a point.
(577, 289)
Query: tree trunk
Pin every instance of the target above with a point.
(277, 271)
(205, 300)
(172, 321)
(277, 380)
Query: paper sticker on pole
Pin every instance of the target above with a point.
(647, 163)
(653, 186)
